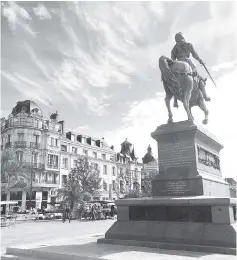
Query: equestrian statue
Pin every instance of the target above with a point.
(181, 79)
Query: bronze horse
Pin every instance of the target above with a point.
(178, 81)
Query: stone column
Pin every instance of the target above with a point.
(23, 204)
(8, 198)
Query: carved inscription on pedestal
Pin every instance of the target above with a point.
(175, 188)
(176, 154)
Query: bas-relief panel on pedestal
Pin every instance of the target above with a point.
(208, 159)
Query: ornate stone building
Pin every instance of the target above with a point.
(129, 170)
(26, 138)
(48, 154)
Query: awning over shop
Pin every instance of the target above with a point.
(8, 202)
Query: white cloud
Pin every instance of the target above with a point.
(42, 12)
(18, 17)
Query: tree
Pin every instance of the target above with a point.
(147, 183)
(82, 182)
(13, 172)
(71, 191)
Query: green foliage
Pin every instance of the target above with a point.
(87, 196)
(13, 172)
(82, 183)
(136, 193)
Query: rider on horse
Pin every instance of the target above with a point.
(181, 52)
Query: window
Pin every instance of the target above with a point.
(113, 185)
(34, 158)
(113, 171)
(51, 141)
(95, 154)
(36, 138)
(65, 163)
(96, 166)
(52, 161)
(56, 142)
(85, 152)
(9, 138)
(20, 136)
(105, 186)
(103, 156)
(127, 183)
(135, 173)
(19, 156)
(105, 169)
(63, 148)
(74, 150)
(75, 163)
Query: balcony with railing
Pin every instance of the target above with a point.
(20, 144)
(22, 122)
(45, 183)
(34, 145)
(53, 166)
(34, 165)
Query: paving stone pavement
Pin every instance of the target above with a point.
(79, 238)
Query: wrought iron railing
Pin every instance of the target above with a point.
(52, 166)
(35, 145)
(20, 144)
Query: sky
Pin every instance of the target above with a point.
(96, 63)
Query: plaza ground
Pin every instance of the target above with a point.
(79, 237)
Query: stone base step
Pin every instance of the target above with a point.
(169, 246)
(33, 254)
(14, 257)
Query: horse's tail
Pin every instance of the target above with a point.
(168, 77)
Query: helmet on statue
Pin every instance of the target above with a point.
(179, 37)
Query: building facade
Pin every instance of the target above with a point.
(26, 138)
(129, 170)
(48, 154)
(98, 152)
(149, 170)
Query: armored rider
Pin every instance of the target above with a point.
(181, 52)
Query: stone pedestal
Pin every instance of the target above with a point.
(190, 208)
(189, 162)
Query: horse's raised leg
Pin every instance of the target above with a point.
(203, 107)
(167, 102)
